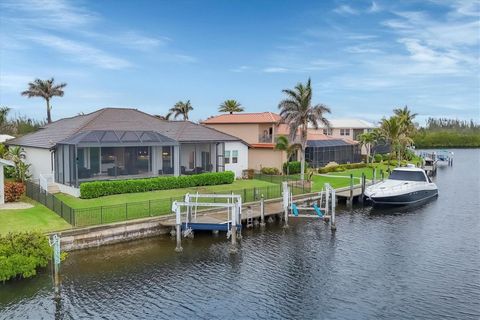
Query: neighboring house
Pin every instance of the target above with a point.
(348, 128)
(258, 130)
(118, 143)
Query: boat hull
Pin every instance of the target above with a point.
(404, 199)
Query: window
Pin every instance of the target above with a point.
(327, 132)
(234, 156)
(227, 157)
(344, 132)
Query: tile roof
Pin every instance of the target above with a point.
(120, 119)
(254, 117)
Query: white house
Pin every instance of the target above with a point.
(121, 143)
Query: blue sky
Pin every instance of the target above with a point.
(364, 57)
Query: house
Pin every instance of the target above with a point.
(259, 130)
(348, 128)
(120, 143)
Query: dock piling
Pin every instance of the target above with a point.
(350, 201)
(262, 211)
(178, 227)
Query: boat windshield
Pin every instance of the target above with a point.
(407, 175)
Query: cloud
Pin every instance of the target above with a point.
(48, 14)
(374, 8)
(275, 70)
(241, 69)
(81, 52)
(345, 9)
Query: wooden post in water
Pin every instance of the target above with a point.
(233, 226)
(351, 191)
(363, 187)
(262, 212)
(55, 243)
(333, 225)
(178, 226)
(286, 202)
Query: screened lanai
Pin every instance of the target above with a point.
(108, 154)
(320, 152)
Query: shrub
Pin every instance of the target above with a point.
(13, 191)
(378, 158)
(95, 189)
(248, 173)
(354, 165)
(294, 167)
(386, 156)
(22, 253)
(270, 171)
(339, 169)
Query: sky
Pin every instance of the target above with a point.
(364, 57)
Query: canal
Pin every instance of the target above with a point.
(408, 263)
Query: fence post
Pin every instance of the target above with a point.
(126, 210)
(382, 174)
(254, 193)
(101, 215)
(74, 218)
(150, 208)
(244, 195)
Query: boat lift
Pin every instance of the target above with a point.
(191, 223)
(323, 205)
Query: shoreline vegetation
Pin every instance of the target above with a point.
(448, 133)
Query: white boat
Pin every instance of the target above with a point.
(406, 185)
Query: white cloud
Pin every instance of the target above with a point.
(374, 8)
(345, 9)
(241, 69)
(275, 70)
(81, 52)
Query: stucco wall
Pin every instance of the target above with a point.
(242, 163)
(40, 161)
(247, 132)
(259, 158)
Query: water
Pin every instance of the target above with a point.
(413, 263)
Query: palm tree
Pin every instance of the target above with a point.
(297, 112)
(393, 131)
(406, 119)
(180, 109)
(284, 145)
(230, 106)
(366, 139)
(45, 89)
(3, 115)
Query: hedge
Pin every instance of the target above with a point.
(294, 167)
(22, 253)
(342, 167)
(95, 189)
(270, 171)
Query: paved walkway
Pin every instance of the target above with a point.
(15, 206)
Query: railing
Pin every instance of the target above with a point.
(81, 217)
(45, 180)
(265, 138)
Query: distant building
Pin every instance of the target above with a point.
(260, 130)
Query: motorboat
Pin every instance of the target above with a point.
(404, 186)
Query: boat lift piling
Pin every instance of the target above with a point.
(325, 209)
(234, 208)
(262, 211)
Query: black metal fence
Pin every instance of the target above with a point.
(81, 217)
(36, 193)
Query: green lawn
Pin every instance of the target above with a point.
(38, 218)
(147, 204)
(342, 179)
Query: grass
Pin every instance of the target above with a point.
(38, 218)
(129, 206)
(342, 179)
